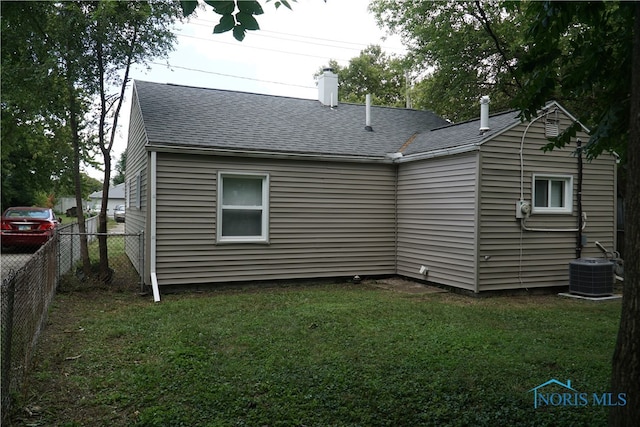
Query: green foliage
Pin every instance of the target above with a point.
(35, 153)
(580, 54)
(521, 54)
(121, 167)
(453, 57)
(372, 72)
(321, 355)
(237, 16)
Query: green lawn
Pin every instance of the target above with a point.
(317, 355)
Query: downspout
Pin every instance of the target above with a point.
(153, 225)
(395, 208)
(478, 218)
(579, 234)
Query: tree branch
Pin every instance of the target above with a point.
(123, 87)
(487, 26)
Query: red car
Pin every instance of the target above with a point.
(27, 226)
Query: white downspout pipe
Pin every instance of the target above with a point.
(153, 225)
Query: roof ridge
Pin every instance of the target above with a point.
(280, 96)
(223, 90)
(501, 113)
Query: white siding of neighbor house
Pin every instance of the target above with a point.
(436, 219)
(511, 258)
(326, 220)
(137, 161)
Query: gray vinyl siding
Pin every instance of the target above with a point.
(326, 220)
(436, 219)
(511, 258)
(137, 161)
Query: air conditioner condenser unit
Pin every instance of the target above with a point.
(593, 277)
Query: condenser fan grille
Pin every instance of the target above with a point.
(591, 277)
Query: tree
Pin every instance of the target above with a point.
(453, 57)
(34, 133)
(372, 72)
(120, 34)
(121, 167)
(75, 54)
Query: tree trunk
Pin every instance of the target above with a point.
(105, 271)
(625, 375)
(75, 139)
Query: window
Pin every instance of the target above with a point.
(552, 194)
(243, 207)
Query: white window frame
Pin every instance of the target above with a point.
(567, 207)
(264, 237)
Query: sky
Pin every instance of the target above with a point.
(279, 59)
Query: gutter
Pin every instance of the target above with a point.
(389, 158)
(439, 153)
(266, 154)
(153, 208)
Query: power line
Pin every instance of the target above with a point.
(360, 45)
(260, 34)
(232, 75)
(357, 45)
(260, 48)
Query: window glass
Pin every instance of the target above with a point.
(241, 222)
(541, 193)
(242, 191)
(556, 198)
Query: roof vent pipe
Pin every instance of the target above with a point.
(367, 120)
(328, 88)
(484, 114)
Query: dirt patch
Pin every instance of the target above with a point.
(398, 284)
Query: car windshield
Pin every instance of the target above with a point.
(35, 213)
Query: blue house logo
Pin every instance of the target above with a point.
(541, 398)
(563, 394)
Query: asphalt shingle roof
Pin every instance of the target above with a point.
(460, 134)
(189, 116)
(115, 192)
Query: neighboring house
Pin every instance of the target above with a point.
(232, 186)
(116, 197)
(64, 203)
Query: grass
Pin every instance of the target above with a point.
(321, 355)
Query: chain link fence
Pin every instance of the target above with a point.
(30, 280)
(123, 270)
(26, 295)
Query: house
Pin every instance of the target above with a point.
(116, 197)
(64, 203)
(232, 186)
